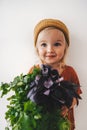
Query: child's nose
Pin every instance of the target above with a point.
(50, 49)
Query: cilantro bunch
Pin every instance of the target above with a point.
(21, 111)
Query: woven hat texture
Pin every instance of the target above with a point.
(51, 23)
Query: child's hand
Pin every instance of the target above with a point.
(64, 111)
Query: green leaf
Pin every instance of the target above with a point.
(29, 106)
(4, 88)
(24, 122)
(20, 83)
(63, 124)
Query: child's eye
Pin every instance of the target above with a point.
(43, 44)
(57, 44)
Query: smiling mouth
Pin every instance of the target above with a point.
(50, 56)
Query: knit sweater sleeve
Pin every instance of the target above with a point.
(70, 74)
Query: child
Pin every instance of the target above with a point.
(51, 40)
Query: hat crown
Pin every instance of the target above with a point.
(51, 23)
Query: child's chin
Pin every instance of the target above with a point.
(50, 63)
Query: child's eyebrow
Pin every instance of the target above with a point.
(59, 40)
(42, 41)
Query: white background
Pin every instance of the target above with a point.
(17, 21)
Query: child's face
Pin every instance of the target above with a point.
(51, 46)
